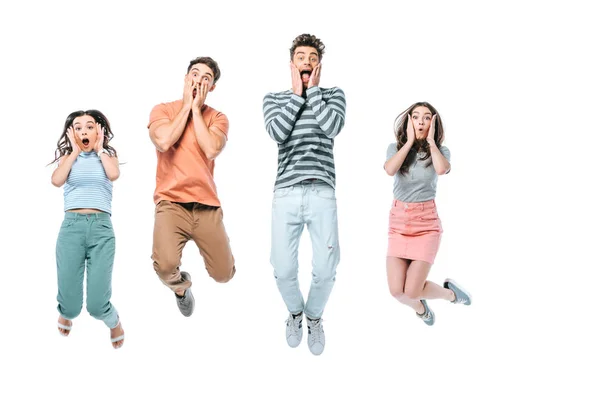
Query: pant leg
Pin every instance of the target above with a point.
(70, 266)
(286, 228)
(211, 238)
(323, 228)
(172, 230)
(100, 260)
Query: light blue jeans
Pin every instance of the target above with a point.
(310, 203)
(86, 242)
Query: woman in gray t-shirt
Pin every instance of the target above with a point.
(415, 160)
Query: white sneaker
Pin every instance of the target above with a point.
(293, 330)
(316, 336)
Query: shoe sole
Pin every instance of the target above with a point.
(461, 289)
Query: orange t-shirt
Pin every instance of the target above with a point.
(183, 173)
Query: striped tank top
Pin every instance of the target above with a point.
(87, 185)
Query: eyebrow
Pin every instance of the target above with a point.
(312, 53)
(207, 73)
(416, 112)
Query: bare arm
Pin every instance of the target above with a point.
(164, 133)
(61, 173)
(440, 163)
(211, 140)
(392, 166)
(111, 166)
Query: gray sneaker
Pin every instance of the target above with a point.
(316, 336)
(186, 303)
(428, 316)
(462, 296)
(293, 330)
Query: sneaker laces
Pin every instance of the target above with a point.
(426, 316)
(291, 322)
(315, 330)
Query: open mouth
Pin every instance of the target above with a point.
(305, 75)
(85, 141)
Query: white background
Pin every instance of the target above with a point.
(516, 85)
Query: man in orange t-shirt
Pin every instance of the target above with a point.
(188, 136)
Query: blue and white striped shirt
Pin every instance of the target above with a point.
(304, 130)
(87, 185)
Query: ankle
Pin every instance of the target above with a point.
(451, 295)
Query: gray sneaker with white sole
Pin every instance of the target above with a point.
(462, 296)
(187, 302)
(428, 316)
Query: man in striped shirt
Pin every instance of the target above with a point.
(304, 122)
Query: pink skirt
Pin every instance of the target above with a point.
(415, 231)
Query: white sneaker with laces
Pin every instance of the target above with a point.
(293, 330)
(316, 336)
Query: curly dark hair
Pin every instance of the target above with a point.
(419, 145)
(309, 40)
(64, 144)
(209, 62)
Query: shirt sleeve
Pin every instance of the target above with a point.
(391, 150)
(280, 121)
(330, 115)
(221, 122)
(159, 112)
(445, 152)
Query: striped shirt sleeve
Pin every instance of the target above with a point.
(330, 115)
(280, 121)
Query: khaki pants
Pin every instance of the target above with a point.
(174, 225)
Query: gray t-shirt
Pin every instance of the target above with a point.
(420, 182)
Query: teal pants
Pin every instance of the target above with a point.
(86, 242)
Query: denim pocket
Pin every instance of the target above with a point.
(429, 215)
(105, 223)
(325, 192)
(67, 223)
(282, 192)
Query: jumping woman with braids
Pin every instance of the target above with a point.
(87, 167)
(415, 160)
